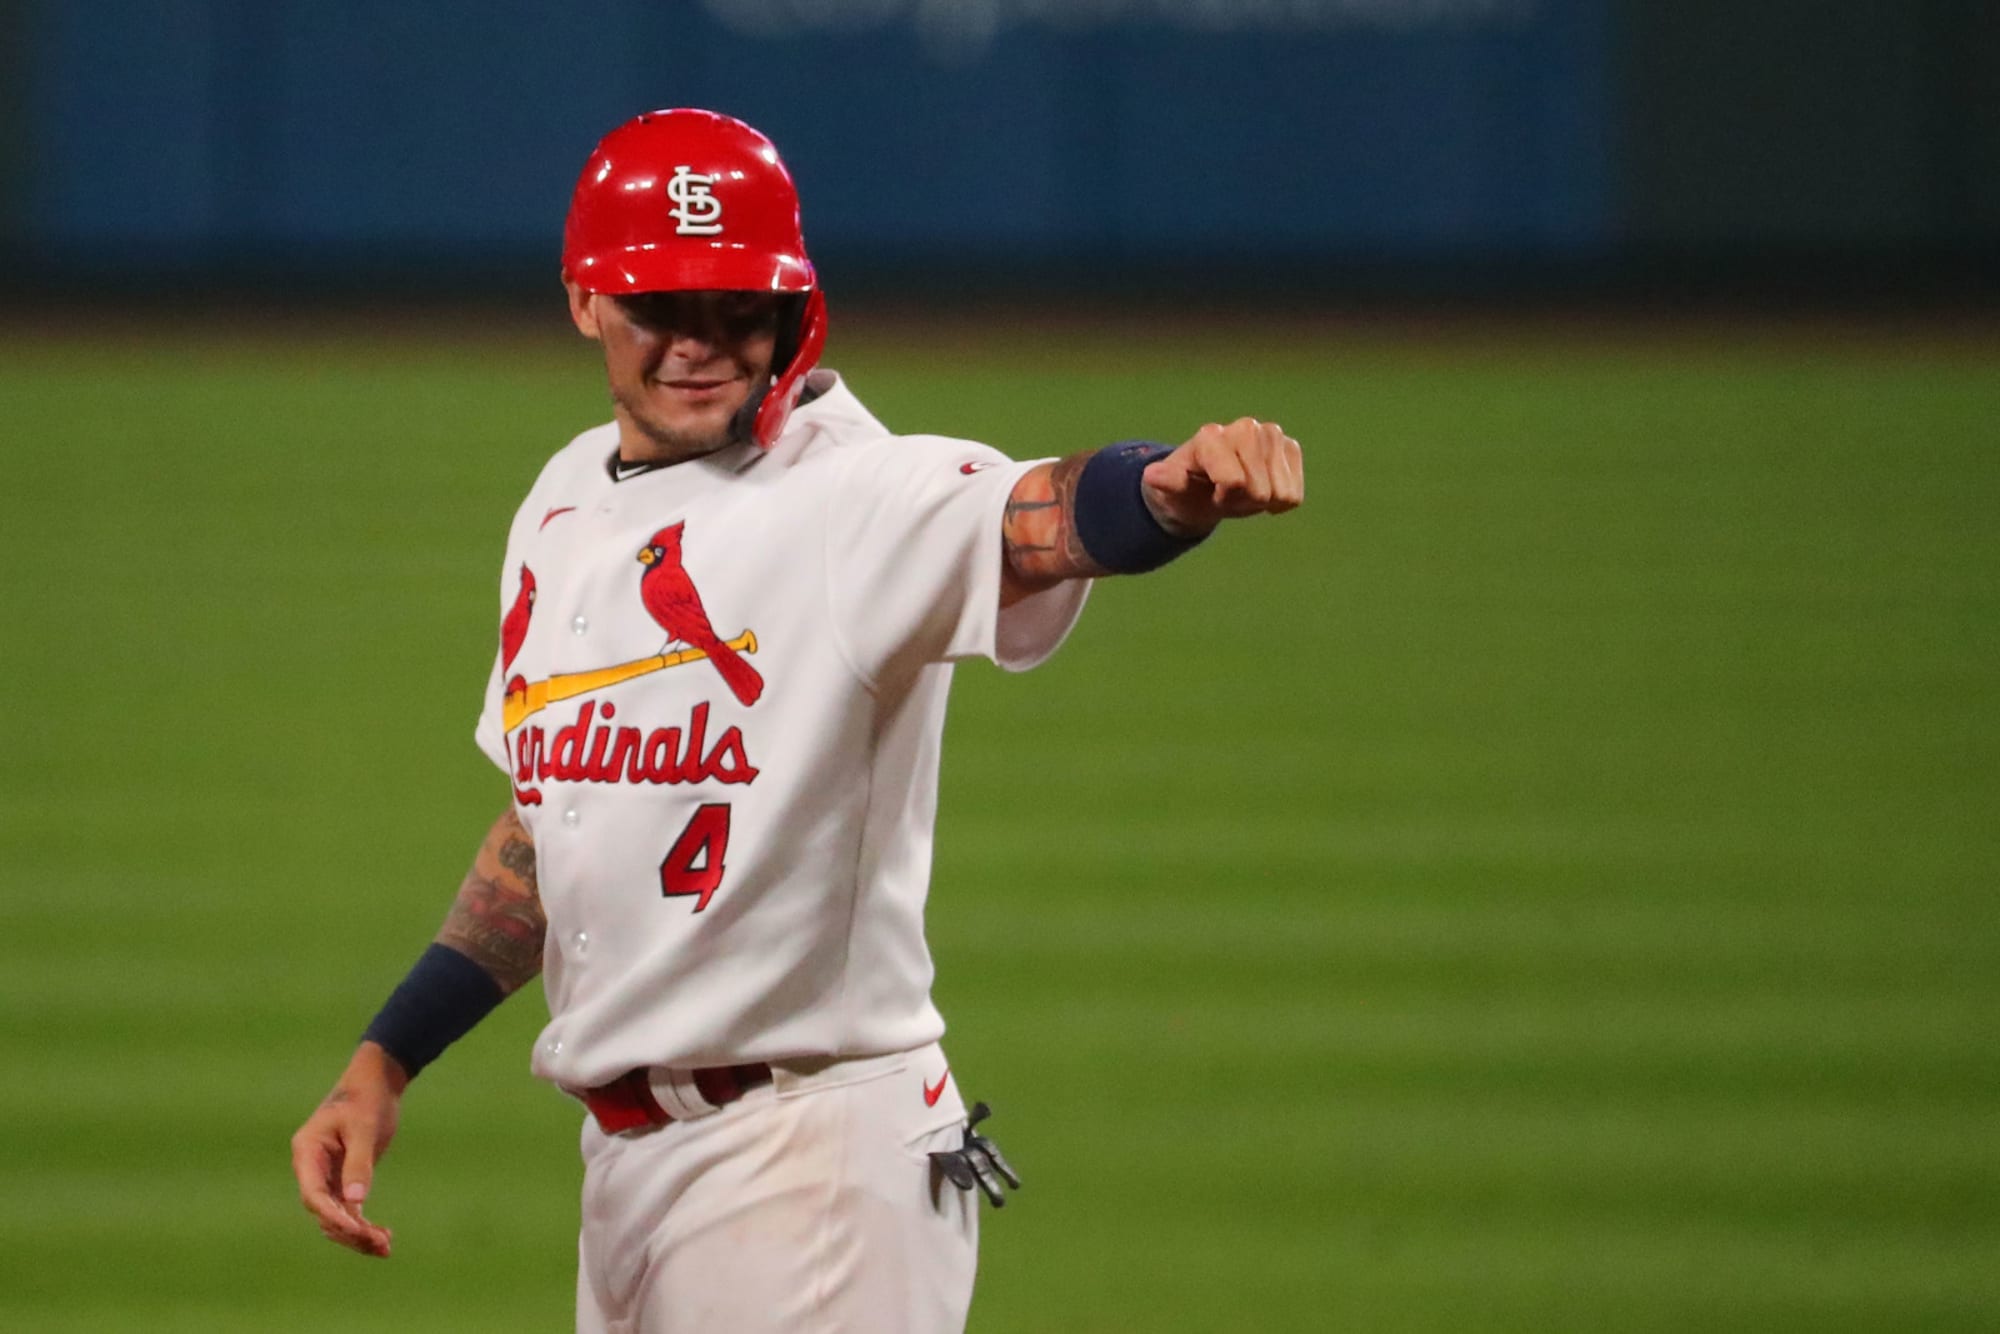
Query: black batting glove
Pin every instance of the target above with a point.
(978, 1162)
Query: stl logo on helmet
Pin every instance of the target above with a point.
(696, 208)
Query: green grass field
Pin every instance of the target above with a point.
(1548, 883)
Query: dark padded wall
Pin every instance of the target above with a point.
(1795, 123)
(1393, 145)
(198, 130)
(14, 84)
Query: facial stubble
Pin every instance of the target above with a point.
(676, 445)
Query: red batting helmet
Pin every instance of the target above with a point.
(687, 201)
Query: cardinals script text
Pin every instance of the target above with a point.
(583, 753)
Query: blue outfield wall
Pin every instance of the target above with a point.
(182, 133)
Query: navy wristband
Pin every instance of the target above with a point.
(438, 1003)
(1112, 521)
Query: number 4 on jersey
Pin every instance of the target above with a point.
(694, 863)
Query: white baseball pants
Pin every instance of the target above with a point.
(807, 1206)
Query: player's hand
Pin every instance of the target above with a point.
(334, 1153)
(1226, 472)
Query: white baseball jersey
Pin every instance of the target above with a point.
(719, 695)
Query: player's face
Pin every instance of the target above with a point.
(681, 364)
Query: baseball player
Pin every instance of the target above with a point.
(728, 619)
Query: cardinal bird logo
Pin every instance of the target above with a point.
(671, 599)
(514, 626)
(513, 632)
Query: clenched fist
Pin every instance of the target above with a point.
(1226, 472)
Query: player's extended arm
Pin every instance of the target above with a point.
(489, 947)
(1134, 507)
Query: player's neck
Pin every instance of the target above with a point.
(641, 448)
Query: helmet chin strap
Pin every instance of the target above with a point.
(791, 335)
(743, 426)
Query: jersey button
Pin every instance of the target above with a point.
(579, 625)
(571, 818)
(582, 942)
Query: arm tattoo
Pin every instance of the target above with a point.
(497, 919)
(1038, 530)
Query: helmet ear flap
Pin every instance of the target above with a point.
(774, 406)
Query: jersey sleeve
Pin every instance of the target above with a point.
(489, 733)
(913, 560)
